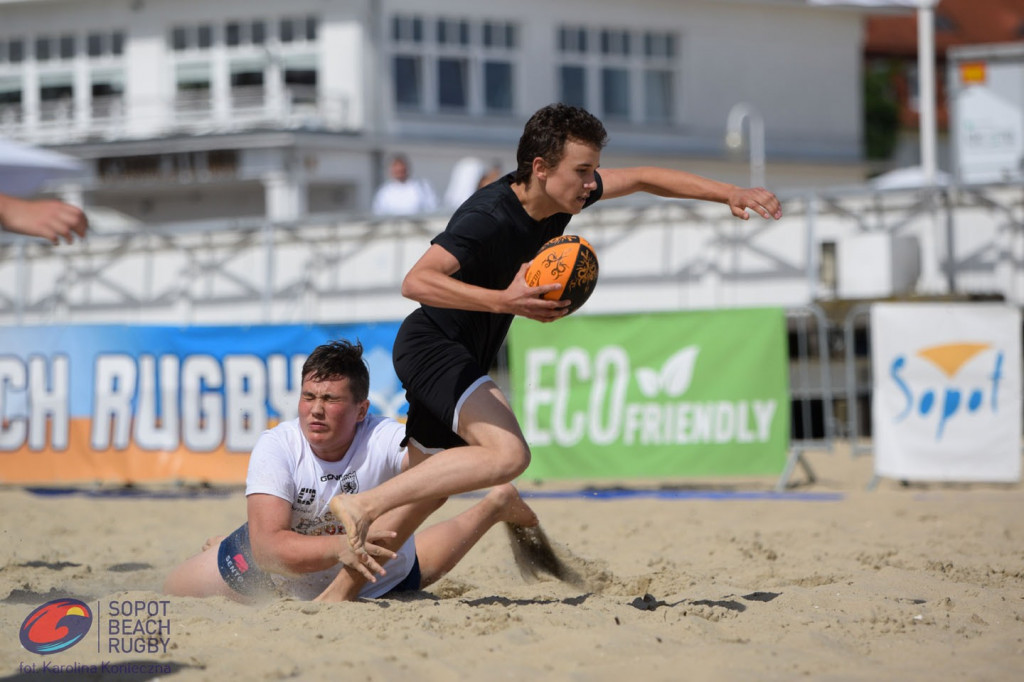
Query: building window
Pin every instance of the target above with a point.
(286, 31)
(660, 45)
(258, 33)
(192, 85)
(10, 98)
(205, 37)
(500, 41)
(615, 43)
(179, 38)
(453, 64)
(192, 37)
(246, 78)
(55, 100)
(573, 86)
(16, 51)
(452, 32)
(408, 79)
(94, 45)
(107, 95)
(572, 40)
(498, 87)
(10, 101)
(452, 75)
(407, 29)
(620, 74)
(658, 96)
(298, 29)
(499, 35)
(104, 44)
(233, 34)
(67, 47)
(42, 49)
(615, 93)
(300, 82)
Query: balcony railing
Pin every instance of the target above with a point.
(189, 111)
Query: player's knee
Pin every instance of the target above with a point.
(511, 460)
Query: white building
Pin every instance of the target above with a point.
(189, 110)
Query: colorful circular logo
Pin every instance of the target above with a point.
(55, 626)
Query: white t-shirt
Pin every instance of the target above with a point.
(283, 464)
(404, 198)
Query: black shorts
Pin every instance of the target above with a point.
(240, 572)
(436, 373)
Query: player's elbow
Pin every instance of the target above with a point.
(409, 288)
(414, 286)
(260, 555)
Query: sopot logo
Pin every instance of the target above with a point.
(976, 394)
(56, 626)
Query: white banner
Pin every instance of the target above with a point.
(947, 391)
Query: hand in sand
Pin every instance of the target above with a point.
(213, 541)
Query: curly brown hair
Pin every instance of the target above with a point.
(546, 133)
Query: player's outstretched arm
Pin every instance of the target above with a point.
(47, 218)
(677, 184)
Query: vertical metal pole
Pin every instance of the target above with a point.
(20, 275)
(926, 89)
(268, 264)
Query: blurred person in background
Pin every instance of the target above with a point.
(403, 194)
(468, 175)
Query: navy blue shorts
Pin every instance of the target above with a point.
(240, 572)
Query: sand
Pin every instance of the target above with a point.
(829, 581)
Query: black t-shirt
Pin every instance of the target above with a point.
(491, 235)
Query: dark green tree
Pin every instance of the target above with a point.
(881, 111)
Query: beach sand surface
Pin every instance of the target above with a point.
(686, 580)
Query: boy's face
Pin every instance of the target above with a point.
(328, 416)
(570, 182)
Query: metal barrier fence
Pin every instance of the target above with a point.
(857, 371)
(812, 395)
(655, 255)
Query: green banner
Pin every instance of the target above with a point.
(668, 394)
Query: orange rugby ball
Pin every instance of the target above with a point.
(570, 261)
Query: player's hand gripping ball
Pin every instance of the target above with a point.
(570, 261)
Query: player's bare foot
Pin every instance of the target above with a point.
(348, 510)
(511, 507)
(213, 541)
